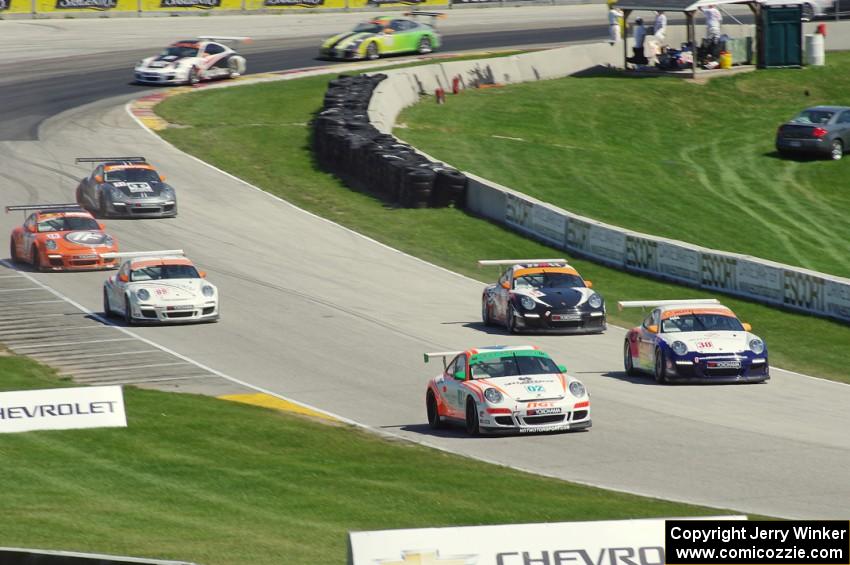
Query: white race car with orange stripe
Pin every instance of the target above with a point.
(505, 389)
(191, 61)
(159, 287)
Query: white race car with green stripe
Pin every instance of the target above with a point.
(383, 36)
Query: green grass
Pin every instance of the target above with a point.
(662, 156)
(200, 479)
(273, 152)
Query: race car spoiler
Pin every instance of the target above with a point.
(71, 207)
(433, 15)
(133, 254)
(654, 303)
(104, 159)
(444, 354)
(225, 38)
(485, 262)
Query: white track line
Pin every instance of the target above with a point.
(66, 343)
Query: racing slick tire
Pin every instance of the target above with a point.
(235, 67)
(193, 78)
(372, 51)
(424, 46)
(510, 322)
(107, 311)
(128, 313)
(435, 421)
(36, 259)
(472, 427)
(13, 254)
(485, 313)
(628, 362)
(102, 207)
(660, 372)
(836, 151)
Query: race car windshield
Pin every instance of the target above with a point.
(548, 280)
(701, 323)
(159, 272)
(68, 223)
(512, 366)
(368, 28)
(131, 175)
(180, 51)
(813, 117)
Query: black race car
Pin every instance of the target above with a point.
(542, 295)
(125, 186)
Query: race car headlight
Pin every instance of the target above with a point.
(527, 302)
(679, 348)
(208, 290)
(50, 244)
(108, 241)
(595, 300)
(493, 395)
(756, 346)
(143, 294)
(577, 389)
(117, 194)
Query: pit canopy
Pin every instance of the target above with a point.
(689, 8)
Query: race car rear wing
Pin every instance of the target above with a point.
(71, 207)
(134, 254)
(224, 38)
(444, 354)
(105, 159)
(654, 303)
(486, 262)
(433, 15)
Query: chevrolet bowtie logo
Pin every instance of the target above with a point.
(431, 558)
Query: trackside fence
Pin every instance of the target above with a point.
(749, 277)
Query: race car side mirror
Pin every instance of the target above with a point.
(459, 376)
(101, 226)
(123, 277)
(98, 179)
(747, 327)
(162, 178)
(588, 284)
(389, 30)
(203, 274)
(562, 368)
(653, 329)
(31, 229)
(506, 285)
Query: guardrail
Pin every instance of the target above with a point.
(764, 281)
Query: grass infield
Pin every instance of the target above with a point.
(205, 480)
(264, 139)
(663, 156)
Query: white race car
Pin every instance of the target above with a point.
(191, 61)
(505, 389)
(159, 287)
(694, 341)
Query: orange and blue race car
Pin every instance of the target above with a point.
(505, 389)
(61, 237)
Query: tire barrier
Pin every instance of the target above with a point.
(347, 144)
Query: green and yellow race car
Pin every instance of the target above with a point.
(384, 35)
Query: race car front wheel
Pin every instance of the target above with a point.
(107, 311)
(472, 427)
(103, 207)
(128, 312)
(372, 51)
(36, 259)
(435, 421)
(510, 323)
(660, 370)
(424, 46)
(485, 312)
(13, 252)
(193, 77)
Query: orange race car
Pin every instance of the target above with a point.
(59, 237)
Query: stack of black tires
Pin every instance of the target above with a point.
(348, 145)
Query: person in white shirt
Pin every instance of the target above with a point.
(640, 36)
(614, 16)
(659, 30)
(713, 20)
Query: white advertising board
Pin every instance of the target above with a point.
(62, 409)
(614, 542)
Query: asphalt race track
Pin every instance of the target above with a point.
(319, 314)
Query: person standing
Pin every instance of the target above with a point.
(659, 29)
(713, 20)
(615, 17)
(640, 36)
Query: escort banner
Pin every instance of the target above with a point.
(62, 409)
(47, 6)
(614, 542)
(189, 5)
(294, 4)
(395, 3)
(15, 7)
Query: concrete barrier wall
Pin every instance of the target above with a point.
(735, 274)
